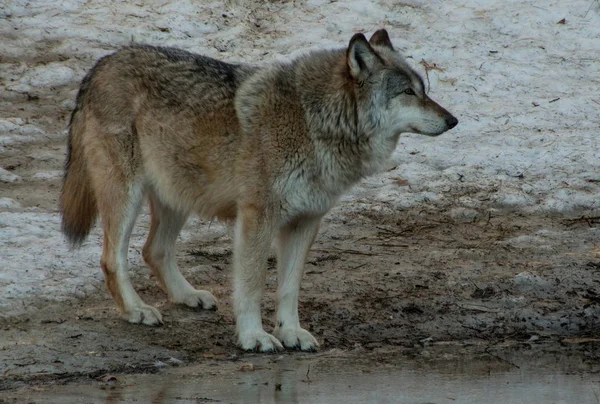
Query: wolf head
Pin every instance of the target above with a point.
(392, 94)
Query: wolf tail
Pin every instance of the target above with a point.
(77, 201)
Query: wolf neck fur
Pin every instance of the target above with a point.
(345, 140)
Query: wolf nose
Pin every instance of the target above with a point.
(451, 121)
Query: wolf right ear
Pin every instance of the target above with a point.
(361, 57)
(381, 38)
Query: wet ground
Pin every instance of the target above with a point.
(378, 283)
(525, 374)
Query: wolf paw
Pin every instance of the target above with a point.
(144, 314)
(296, 338)
(259, 341)
(200, 299)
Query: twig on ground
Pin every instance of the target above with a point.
(307, 380)
(588, 10)
(429, 67)
(346, 251)
(590, 220)
(501, 359)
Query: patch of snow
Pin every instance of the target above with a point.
(526, 281)
(8, 203)
(7, 176)
(514, 199)
(50, 75)
(52, 271)
(47, 175)
(525, 241)
(464, 214)
(16, 130)
(19, 126)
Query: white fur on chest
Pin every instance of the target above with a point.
(307, 195)
(314, 190)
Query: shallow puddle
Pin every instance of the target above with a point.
(333, 379)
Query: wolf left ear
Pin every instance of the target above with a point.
(361, 57)
(381, 38)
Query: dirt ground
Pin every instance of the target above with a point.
(376, 280)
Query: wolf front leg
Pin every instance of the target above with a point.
(293, 243)
(252, 242)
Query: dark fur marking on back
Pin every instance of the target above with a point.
(204, 64)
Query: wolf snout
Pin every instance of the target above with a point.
(451, 121)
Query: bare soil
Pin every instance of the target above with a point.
(377, 279)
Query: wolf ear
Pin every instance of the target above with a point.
(361, 57)
(381, 38)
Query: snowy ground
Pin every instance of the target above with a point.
(525, 87)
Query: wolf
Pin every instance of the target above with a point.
(269, 149)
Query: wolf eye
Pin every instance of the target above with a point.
(409, 91)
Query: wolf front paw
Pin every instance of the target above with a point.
(259, 341)
(200, 299)
(143, 314)
(296, 338)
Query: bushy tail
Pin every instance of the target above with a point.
(77, 200)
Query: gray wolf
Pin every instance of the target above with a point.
(270, 149)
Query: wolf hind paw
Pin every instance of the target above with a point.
(198, 299)
(144, 314)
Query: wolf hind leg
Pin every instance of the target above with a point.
(119, 206)
(159, 254)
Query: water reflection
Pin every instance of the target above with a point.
(334, 380)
